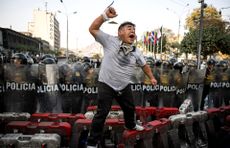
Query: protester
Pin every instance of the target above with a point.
(117, 68)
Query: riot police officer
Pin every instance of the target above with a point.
(48, 91)
(19, 96)
(1, 83)
(210, 67)
(223, 77)
(180, 83)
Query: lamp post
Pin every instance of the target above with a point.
(67, 33)
(203, 5)
(179, 22)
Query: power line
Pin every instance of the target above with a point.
(225, 7)
(179, 3)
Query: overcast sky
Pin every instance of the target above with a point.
(146, 14)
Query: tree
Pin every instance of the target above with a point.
(215, 33)
(224, 43)
(211, 18)
(189, 43)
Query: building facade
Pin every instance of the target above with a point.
(46, 27)
(12, 41)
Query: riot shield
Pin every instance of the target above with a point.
(2, 87)
(226, 90)
(181, 80)
(151, 92)
(136, 87)
(219, 86)
(78, 80)
(20, 88)
(195, 87)
(90, 90)
(70, 89)
(48, 90)
(167, 88)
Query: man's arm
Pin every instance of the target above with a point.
(95, 26)
(147, 70)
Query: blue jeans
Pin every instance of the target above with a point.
(105, 98)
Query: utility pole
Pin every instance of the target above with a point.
(199, 47)
(67, 30)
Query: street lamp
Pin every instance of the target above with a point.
(179, 17)
(67, 33)
(203, 5)
(179, 24)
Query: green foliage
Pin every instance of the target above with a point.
(224, 43)
(216, 35)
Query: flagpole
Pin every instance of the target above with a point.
(161, 45)
(154, 46)
(157, 47)
(161, 41)
(151, 47)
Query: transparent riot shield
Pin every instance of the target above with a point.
(20, 88)
(195, 87)
(48, 90)
(136, 87)
(167, 88)
(2, 86)
(71, 87)
(226, 89)
(219, 87)
(90, 90)
(151, 92)
(76, 95)
(181, 80)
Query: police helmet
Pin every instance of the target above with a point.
(48, 61)
(172, 61)
(49, 56)
(87, 66)
(19, 56)
(211, 62)
(158, 63)
(65, 73)
(86, 59)
(64, 68)
(222, 64)
(178, 66)
(166, 65)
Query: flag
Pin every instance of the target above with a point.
(159, 34)
(155, 38)
(151, 36)
(146, 38)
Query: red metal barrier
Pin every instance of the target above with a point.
(27, 127)
(56, 117)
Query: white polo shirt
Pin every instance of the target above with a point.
(117, 69)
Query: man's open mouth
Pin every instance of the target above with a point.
(132, 36)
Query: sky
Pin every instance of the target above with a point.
(146, 14)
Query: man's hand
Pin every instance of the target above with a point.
(96, 24)
(110, 12)
(153, 81)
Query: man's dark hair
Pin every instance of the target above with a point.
(126, 23)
